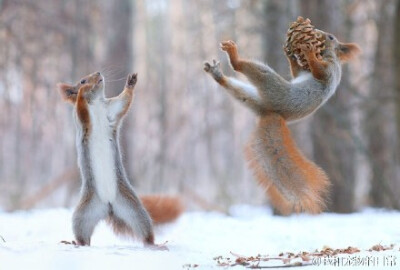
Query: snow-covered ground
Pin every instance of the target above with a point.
(31, 240)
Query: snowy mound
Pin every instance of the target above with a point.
(201, 240)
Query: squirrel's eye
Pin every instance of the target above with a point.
(83, 81)
(330, 37)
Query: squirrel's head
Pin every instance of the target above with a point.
(344, 51)
(70, 92)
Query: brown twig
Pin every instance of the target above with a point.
(296, 264)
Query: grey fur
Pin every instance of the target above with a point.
(292, 100)
(237, 89)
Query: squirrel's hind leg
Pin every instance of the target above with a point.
(129, 210)
(88, 213)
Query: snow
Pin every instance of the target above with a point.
(32, 239)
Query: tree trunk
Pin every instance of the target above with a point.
(278, 15)
(119, 62)
(332, 124)
(396, 63)
(380, 145)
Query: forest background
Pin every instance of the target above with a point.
(184, 134)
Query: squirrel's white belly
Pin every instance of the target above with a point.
(101, 154)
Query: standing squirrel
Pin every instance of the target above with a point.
(292, 182)
(106, 191)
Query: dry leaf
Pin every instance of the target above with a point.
(379, 247)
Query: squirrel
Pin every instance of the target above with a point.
(106, 192)
(292, 182)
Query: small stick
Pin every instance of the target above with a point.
(297, 264)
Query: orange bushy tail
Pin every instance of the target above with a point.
(162, 208)
(293, 182)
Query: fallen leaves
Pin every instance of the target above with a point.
(254, 261)
(188, 265)
(68, 242)
(290, 259)
(379, 247)
(327, 251)
(221, 261)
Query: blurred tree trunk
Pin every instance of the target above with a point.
(74, 15)
(118, 61)
(396, 53)
(331, 125)
(377, 122)
(79, 40)
(189, 131)
(277, 17)
(222, 132)
(163, 47)
(301, 131)
(276, 22)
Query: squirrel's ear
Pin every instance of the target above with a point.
(67, 92)
(347, 51)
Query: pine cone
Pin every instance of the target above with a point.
(303, 32)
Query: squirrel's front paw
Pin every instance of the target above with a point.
(131, 80)
(306, 48)
(228, 46)
(213, 69)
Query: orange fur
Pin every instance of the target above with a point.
(319, 68)
(82, 110)
(162, 208)
(231, 48)
(292, 182)
(68, 92)
(279, 201)
(348, 51)
(119, 226)
(127, 96)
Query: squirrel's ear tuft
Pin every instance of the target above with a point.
(348, 51)
(67, 92)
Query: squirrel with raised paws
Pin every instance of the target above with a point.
(106, 192)
(292, 182)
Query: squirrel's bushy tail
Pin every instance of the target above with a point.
(292, 182)
(162, 208)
